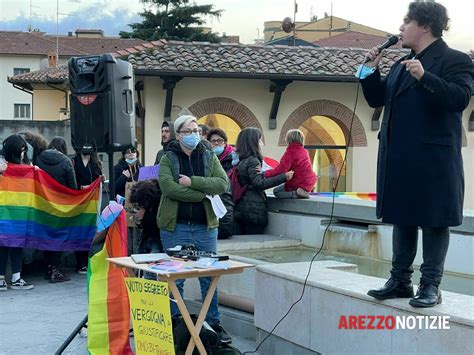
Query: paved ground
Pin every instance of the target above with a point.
(39, 320)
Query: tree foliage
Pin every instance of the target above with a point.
(173, 20)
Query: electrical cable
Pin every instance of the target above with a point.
(334, 188)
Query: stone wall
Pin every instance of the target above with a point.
(48, 129)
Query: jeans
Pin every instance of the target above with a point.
(16, 256)
(280, 192)
(435, 248)
(205, 240)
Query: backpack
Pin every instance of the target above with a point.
(208, 336)
(181, 336)
(237, 189)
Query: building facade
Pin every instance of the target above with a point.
(274, 88)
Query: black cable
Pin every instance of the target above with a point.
(325, 230)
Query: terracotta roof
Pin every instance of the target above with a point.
(45, 76)
(353, 39)
(38, 43)
(232, 60)
(253, 61)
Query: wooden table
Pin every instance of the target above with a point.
(234, 267)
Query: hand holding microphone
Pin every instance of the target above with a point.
(373, 57)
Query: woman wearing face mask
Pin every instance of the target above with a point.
(228, 158)
(188, 172)
(251, 211)
(126, 170)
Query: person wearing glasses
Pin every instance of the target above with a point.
(228, 158)
(188, 172)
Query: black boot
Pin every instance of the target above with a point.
(428, 295)
(393, 289)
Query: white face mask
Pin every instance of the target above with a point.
(260, 143)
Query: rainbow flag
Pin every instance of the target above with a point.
(38, 212)
(369, 196)
(109, 311)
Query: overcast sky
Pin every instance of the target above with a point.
(240, 17)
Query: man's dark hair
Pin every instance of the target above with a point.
(59, 144)
(248, 143)
(145, 193)
(429, 14)
(217, 131)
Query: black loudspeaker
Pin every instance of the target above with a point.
(102, 103)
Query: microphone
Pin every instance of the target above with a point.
(388, 43)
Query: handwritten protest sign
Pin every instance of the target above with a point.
(151, 316)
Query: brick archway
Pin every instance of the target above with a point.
(231, 108)
(339, 113)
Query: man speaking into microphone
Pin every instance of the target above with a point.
(420, 178)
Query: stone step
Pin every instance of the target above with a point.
(255, 241)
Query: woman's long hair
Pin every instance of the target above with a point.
(13, 146)
(59, 144)
(248, 143)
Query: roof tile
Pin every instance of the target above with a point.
(307, 63)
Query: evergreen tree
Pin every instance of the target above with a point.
(173, 20)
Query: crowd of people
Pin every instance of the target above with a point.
(76, 173)
(196, 162)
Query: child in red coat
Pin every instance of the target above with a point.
(295, 158)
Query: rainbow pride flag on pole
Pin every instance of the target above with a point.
(109, 311)
(38, 212)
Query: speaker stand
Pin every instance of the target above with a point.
(71, 336)
(111, 196)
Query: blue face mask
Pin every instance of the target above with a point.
(29, 152)
(218, 150)
(131, 161)
(191, 141)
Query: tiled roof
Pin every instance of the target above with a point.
(45, 76)
(253, 61)
(353, 39)
(232, 60)
(37, 43)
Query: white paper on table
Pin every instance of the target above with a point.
(217, 205)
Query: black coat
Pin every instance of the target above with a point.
(121, 179)
(252, 207)
(85, 175)
(58, 166)
(420, 178)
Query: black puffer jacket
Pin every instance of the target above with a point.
(252, 207)
(58, 166)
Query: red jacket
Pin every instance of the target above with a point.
(296, 158)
